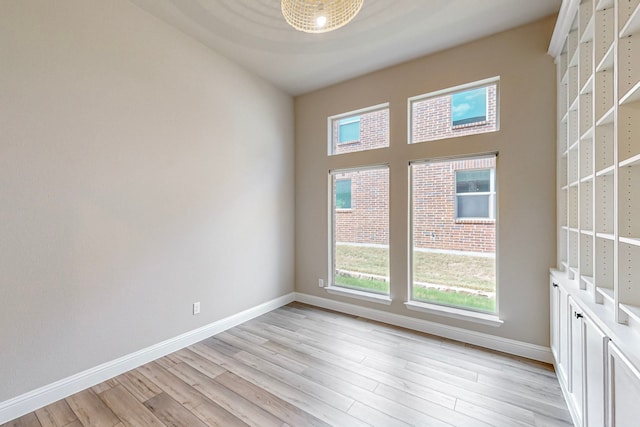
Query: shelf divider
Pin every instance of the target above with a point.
(632, 26)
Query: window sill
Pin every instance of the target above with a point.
(456, 313)
(475, 221)
(365, 296)
(469, 125)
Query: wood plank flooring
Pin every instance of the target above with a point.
(303, 366)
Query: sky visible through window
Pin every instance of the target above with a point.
(469, 106)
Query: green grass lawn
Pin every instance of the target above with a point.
(454, 299)
(474, 273)
(444, 269)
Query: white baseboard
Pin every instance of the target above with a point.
(35, 399)
(518, 348)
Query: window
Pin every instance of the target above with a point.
(453, 262)
(361, 130)
(359, 256)
(475, 194)
(469, 107)
(459, 111)
(343, 194)
(349, 130)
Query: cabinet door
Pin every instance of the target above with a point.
(594, 370)
(575, 358)
(554, 299)
(624, 390)
(563, 336)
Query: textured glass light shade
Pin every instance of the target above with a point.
(319, 16)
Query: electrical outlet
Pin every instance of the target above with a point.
(196, 308)
(320, 283)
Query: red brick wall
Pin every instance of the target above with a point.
(435, 225)
(431, 118)
(368, 219)
(434, 216)
(374, 133)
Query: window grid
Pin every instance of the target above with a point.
(469, 194)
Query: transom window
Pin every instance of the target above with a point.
(360, 130)
(463, 110)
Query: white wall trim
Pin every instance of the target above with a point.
(563, 24)
(518, 348)
(35, 399)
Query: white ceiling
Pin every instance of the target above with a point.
(254, 34)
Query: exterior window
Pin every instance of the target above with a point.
(453, 261)
(349, 130)
(361, 130)
(459, 111)
(359, 217)
(343, 194)
(475, 194)
(469, 107)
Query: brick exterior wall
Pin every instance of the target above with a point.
(368, 219)
(431, 118)
(434, 215)
(435, 225)
(374, 133)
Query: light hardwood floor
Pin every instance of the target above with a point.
(303, 366)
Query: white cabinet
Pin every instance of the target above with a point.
(595, 309)
(554, 300)
(594, 360)
(560, 329)
(587, 367)
(597, 361)
(580, 348)
(576, 377)
(624, 386)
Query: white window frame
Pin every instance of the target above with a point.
(451, 91)
(491, 193)
(476, 316)
(332, 287)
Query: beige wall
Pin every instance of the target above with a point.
(131, 186)
(525, 170)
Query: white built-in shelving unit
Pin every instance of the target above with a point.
(599, 154)
(597, 50)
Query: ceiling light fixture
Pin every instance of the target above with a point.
(319, 16)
